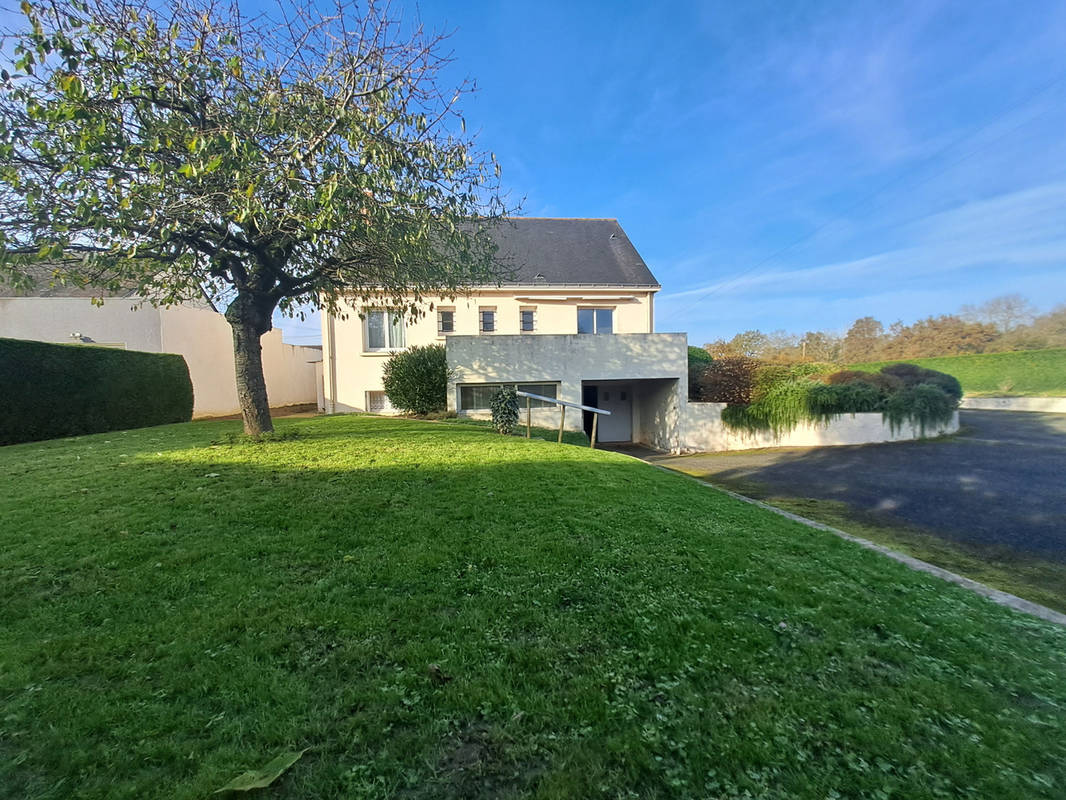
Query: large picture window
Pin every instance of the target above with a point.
(384, 330)
(595, 320)
(478, 396)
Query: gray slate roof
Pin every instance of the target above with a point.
(545, 251)
(533, 250)
(42, 276)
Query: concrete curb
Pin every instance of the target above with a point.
(1053, 405)
(995, 595)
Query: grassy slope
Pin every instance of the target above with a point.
(1029, 372)
(173, 613)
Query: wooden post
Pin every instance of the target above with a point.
(592, 442)
(527, 418)
(562, 419)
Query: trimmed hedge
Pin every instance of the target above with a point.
(53, 390)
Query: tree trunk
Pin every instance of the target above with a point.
(249, 322)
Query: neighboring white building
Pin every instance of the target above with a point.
(199, 333)
(576, 321)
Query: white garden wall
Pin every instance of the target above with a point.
(705, 431)
(1047, 404)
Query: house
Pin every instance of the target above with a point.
(575, 321)
(199, 333)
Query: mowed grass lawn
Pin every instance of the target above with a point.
(176, 608)
(1032, 373)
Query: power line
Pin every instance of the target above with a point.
(862, 201)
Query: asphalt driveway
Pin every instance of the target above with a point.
(1000, 482)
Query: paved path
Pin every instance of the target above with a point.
(1001, 481)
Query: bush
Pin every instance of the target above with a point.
(53, 390)
(779, 402)
(825, 401)
(698, 361)
(782, 396)
(416, 380)
(913, 375)
(885, 384)
(726, 380)
(504, 405)
(924, 403)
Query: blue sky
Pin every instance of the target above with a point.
(787, 165)
(784, 164)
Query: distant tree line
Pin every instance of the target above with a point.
(1008, 322)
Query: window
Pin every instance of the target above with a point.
(377, 402)
(445, 321)
(478, 396)
(488, 320)
(595, 320)
(384, 330)
(527, 320)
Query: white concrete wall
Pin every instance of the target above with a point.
(1055, 405)
(350, 371)
(206, 340)
(199, 334)
(654, 364)
(126, 321)
(704, 431)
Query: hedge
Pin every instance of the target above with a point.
(52, 390)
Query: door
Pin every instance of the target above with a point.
(619, 426)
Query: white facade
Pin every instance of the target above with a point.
(201, 335)
(358, 341)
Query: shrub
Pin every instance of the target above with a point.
(913, 375)
(924, 403)
(825, 401)
(726, 380)
(52, 390)
(886, 384)
(780, 405)
(504, 405)
(416, 380)
(698, 361)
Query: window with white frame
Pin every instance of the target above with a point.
(383, 330)
(486, 320)
(445, 321)
(595, 320)
(527, 319)
(378, 402)
(478, 396)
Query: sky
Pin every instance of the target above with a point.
(783, 165)
(786, 165)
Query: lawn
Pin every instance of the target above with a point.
(178, 606)
(1034, 373)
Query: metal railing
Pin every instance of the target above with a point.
(563, 405)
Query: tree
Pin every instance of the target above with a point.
(864, 340)
(266, 164)
(946, 335)
(820, 346)
(1006, 312)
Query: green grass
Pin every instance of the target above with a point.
(176, 608)
(1035, 373)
